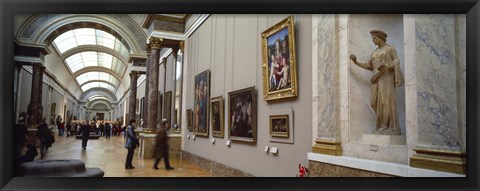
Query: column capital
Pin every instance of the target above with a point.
(182, 46)
(155, 42)
(134, 74)
(38, 66)
(149, 48)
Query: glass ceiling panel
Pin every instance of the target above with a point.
(88, 59)
(89, 76)
(89, 36)
(97, 97)
(91, 85)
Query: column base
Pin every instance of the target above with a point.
(446, 161)
(327, 147)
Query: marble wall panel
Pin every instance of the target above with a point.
(436, 82)
(216, 169)
(319, 169)
(325, 75)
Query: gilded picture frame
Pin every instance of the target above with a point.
(201, 108)
(279, 67)
(242, 115)
(279, 125)
(217, 117)
(189, 120)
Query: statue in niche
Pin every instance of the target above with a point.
(387, 76)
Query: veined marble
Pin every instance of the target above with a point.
(436, 81)
(325, 75)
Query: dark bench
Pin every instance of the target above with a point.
(58, 168)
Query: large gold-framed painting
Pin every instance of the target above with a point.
(201, 106)
(242, 115)
(217, 116)
(279, 67)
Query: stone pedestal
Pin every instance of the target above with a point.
(384, 139)
(147, 145)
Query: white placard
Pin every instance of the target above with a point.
(228, 143)
(266, 149)
(213, 141)
(274, 150)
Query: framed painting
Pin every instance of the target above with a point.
(217, 116)
(189, 120)
(279, 125)
(201, 105)
(242, 115)
(279, 67)
(167, 109)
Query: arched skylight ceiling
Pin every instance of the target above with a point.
(91, 85)
(90, 58)
(78, 38)
(97, 76)
(89, 36)
(98, 97)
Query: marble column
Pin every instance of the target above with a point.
(152, 107)
(36, 94)
(147, 77)
(438, 108)
(164, 62)
(180, 60)
(133, 94)
(174, 91)
(326, 105)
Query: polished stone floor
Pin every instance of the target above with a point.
(109, 155)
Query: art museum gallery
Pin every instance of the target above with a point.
(243, 95)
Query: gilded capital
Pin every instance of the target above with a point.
(149, 48)
(155, 42)
(133, 74)
(182, 45)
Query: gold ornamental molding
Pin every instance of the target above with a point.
(148, 48)
(446, 161)
(182, 45)
(327, 147)
(155, 42)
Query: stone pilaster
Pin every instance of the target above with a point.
(326, 105)
(164, 62)
(438, 112)
(152, 96)
(133, 94)
(35, 111)
(174, 91)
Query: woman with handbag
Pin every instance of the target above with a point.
(131, 143)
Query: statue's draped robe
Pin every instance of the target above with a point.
(382, 98)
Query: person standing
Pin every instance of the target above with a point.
(130, 144)
(107, 130)
(85, 131)
(161, 147)
(43, 133)
(387, 76)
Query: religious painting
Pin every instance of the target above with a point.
(167, 109)
(279, 68)
(217, 116)
(201, 106)
(189, 120)
(242, 115)
(279, 126)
